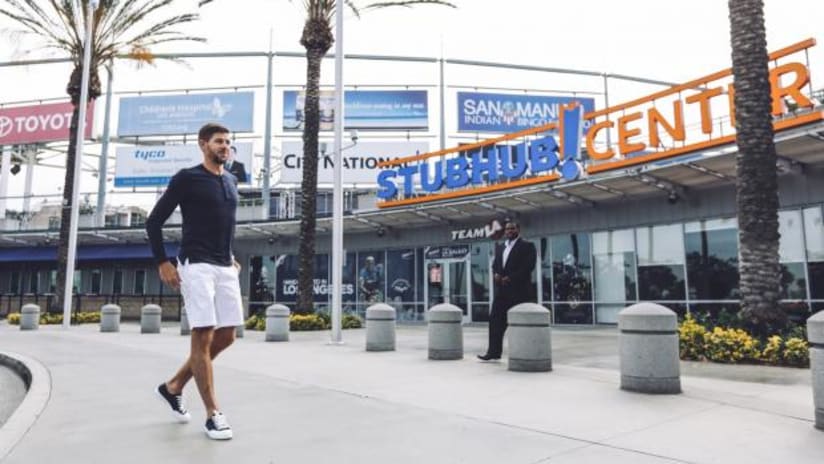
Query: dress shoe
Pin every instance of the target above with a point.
(488, 357)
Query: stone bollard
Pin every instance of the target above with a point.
(239, 330)
(110, 318)
(150, 319)
(277, 323)
(529, 338)
(185, 328)
(30, 317)
(445, 332)
(815, 334)
(649, 349)
(380, 327)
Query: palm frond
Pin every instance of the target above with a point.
(407, 3)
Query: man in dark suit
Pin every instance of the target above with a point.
(512, 274)
(235, 167)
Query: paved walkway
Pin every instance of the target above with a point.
(309, 402)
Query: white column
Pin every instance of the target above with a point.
(31, 157)
(337, 193)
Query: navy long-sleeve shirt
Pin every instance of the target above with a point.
(208, 203)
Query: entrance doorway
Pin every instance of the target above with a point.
(448, 280)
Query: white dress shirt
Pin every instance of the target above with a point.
(508, 248)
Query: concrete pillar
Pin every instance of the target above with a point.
(380, 327)
(277, 323)
(649, 349)
(239, 331)
(445, 332)
(110, 318)
(30, 317)
(150, 319)
(815, 334)
(529, 338)
(185, 329)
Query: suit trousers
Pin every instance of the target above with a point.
(497, 326)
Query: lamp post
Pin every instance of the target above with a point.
(337, 189)
(81, 131)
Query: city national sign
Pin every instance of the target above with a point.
(154, 165)
(363, 109)
(696, 115)
(184, 114)
(39, 123)
(499, 112)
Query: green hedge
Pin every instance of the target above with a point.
(303, 322)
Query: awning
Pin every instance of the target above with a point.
(84, 253)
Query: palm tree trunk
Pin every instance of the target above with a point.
(757, 187)
(65, 213)
(309, 186)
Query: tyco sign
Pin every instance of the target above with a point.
(39, 123)
(496, 112)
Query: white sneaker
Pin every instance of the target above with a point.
(217, 427)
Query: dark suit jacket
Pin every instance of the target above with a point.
(519, 267)
(238, 170)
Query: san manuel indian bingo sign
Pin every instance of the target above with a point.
(649, 129)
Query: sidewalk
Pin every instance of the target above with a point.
(309, 402)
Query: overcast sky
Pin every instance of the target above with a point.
(665, 40)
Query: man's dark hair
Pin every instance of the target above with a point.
(514, 223)
(208, 130)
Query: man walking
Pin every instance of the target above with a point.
(512, 274)
(206, 272)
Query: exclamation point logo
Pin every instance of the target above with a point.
(571, 130)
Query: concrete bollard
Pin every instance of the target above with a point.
(185, 328)
(815, 334)
(150, 319)
(529, 338)
(649, 349)
(30, 317)
(110, 318)
(380, 327)
(239, 330)
(445, 332)
(277, 323)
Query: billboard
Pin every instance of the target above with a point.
(360, 163)
(39, 123)
(364, 109)
(185, 114)
(152, 166)
(504, 113)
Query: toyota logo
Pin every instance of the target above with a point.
(5, 126)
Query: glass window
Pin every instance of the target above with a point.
(793, 282)
(77, 281)
(614, 273)
(286, 267)
(574, 313)
(117, 282)
(34, 282)
(816, 272)
(712, 259)
(52, 281)
(480, 259)
(96, 278)
(139, 282)
(661, 263)
(371, 277)
(400, 283)
(14, 282)
(349, 282)
(791, 243)
(814, 233)
(571, 268)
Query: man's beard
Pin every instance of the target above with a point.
(217, 159)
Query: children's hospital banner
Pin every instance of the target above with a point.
(185, 114)
(363, 109)
(153, 166)
(504, 113)
(360, 163)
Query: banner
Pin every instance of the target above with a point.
(497, 112)
(185, 114)
(360, 163)
(363, 109)
(39, 123)
(152, 166)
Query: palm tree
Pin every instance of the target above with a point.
(757, 187)
(317, 38)
(119, 28)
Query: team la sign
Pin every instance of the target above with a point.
(695, 116)
(39, 123)
(494, 230)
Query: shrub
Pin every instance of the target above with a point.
(351, 321)
(691, 339)
(730, 346)
(13, 318)
(796, 352)
(773, 350)
(298, 322)
(85, 317)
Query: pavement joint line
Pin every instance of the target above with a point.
(38, 394)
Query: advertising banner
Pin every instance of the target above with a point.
(152, 166)
(363, 109)
(185, 114)
(360, 163)
(504, 113)
(39, 123)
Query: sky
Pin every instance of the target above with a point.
(672, 41)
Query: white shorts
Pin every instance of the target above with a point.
(211, 295)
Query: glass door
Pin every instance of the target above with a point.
(448, 281)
